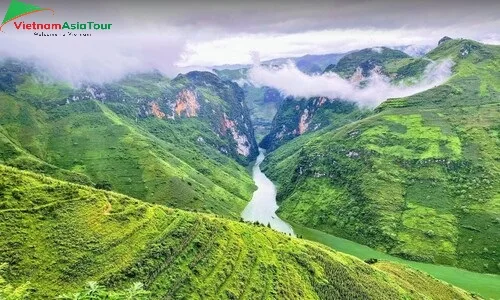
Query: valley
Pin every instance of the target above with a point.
(262, 209)
(416, 178)
(177, 183)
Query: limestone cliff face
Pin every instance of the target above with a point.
(155, 110)
(243, 145)
(186, 104)
(298, 116)
(221, 103)
(192, 97)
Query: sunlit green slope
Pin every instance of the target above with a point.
(57, 236)
(419, 179)
(176, 142)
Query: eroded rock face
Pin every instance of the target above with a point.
(155, 110)
(304, 122)
(357, 77)
(186, 104)
(220, 104)
(299, 116)
(243, 145)
(217, 105)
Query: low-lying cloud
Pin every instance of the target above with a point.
(100, 58)
(292, 82)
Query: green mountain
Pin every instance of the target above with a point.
(309, 64)
(182, 142)
(56, 236)
(419, 178)
(296, 116)
(363, 61)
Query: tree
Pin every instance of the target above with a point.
(104, 185)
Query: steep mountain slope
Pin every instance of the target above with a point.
(262, 102)
(58, 235)
(296, 116)
(175, 142)
(419, 179)
(363, 61)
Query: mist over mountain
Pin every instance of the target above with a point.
(377, 88)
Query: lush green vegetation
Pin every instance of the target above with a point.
(420, 179)
(56, 236)
(95, 291)
(367, 60)
(485, 285)
(134, 137)
(297, 116)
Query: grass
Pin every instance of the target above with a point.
(57, 236)
(486, 285)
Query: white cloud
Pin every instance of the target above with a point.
(292, 82)
(238, 49)
(136, 46)
(102, 57)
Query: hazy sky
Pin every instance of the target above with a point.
(168, 35)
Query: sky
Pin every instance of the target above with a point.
(175, 36)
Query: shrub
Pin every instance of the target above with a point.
(371, 261)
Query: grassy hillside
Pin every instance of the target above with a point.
(175, 142)
(420, 179)
(57, 236)
(483, 284)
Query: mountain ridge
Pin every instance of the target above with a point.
(417, 178)
(117, 240)
(145, 136)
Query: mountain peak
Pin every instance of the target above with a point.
(444, 39)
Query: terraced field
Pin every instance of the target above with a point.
(57, 236)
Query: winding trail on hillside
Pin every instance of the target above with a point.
(263, 206)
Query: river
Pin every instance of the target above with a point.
(263, 206)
